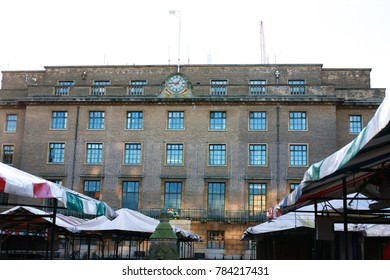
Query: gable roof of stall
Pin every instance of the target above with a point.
(26, 218)
(128, 220)
(23, 219)
(305, 218)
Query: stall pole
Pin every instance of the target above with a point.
(53, 229)
(345, 219)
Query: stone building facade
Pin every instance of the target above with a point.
(214, 145)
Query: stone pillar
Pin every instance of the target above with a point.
(163, 242)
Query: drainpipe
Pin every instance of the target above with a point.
(75, 145)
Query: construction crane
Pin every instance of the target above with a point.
(262, 44)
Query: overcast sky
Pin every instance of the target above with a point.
(335, 33)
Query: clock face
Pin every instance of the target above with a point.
(176, 83)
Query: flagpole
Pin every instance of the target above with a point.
(178, 12)
(178, 52)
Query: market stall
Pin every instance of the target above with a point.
(362, 167)
(17, 182)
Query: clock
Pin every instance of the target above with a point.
(176, 83)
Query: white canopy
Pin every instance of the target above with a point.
(305, 218)
(18, 182)
(61, 220)
(377, 230)
(128, 220)
(288, 221)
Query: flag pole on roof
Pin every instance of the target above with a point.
(178, 14)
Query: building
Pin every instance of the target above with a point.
(214, 145)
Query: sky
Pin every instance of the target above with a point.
(334, 33)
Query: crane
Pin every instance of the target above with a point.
(262, 44)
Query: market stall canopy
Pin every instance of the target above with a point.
(362, 166)
(289, 221)
(305, 217)
(130, 221)
(18, 182)
(22, 218)
(377, 231)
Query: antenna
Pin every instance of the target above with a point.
(169, 56)
(262, 44)
(209, 57)
(32, 82)
(188, 55)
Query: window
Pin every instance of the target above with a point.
(56, 181)
(293, 186)
(257, 198)
(217, 154)
(4, 198)
(174, 154)
(215, 239)
(134, 120)
(257, 120)
(94, 153)
(137, 87)
(297, 121)
(96, 120)
(8, 154)
(58, 120)
(99, 87)
(258, 154)
(297, 87)
(216, 200)
(175, 120)
(11, 121)
(218, 87)
(56, 153)
(298, 155)
(50, 202)
(63, 87)
(132, 153)
(257, 87)
(355, 124)
(172, 195)
(217, 120)
(130, 191)
(92, 188)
